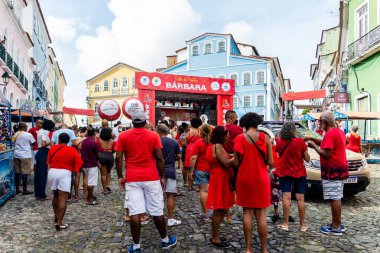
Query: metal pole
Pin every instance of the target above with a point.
(365, 129)
(10, 126)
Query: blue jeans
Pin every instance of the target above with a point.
(40, 175)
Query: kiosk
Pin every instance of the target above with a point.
(182, 98)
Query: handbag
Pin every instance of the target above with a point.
(231, 180)
(260, 151)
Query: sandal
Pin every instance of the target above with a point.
(106, 193)
(303, 228)
(283, 227)
(228, 221)
(60, 227)
(93, 203)
(221, 244)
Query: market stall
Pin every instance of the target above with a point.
(181, 98)
(7, 175)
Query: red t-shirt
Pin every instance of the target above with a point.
(34, 131)
(336, 166)
(291, 162)
(138, 145)
(65, 157)
(200, 149)
(234, 131)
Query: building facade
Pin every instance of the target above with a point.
(258, 80)
(14, 56)
(363, 60)
(34, 23)
(116, 83)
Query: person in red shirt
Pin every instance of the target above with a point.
(192, 136)
(334, 169)
(62, 160)
(143, 182)
(292, 172)
(201, 167)
(253, 152)
(34, 131)
(354, 141)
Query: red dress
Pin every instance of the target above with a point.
(252, 184)
(219, 194)
(190, 141)
(353, 143)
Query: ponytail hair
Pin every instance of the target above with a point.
(205, 132)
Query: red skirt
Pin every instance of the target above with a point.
(220, 195)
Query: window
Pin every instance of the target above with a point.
(260, 77)
(96, 88)
(221, 76)
(195, 50)
(208, 48)
(247, 78)
(260, 100)
(362, 26)
(133, 82)
(115, 83)
(221, 46)
(96, 108)
(125, 85)
(235, 77)
(236, 104)
(247, 101)
(106, 86)
(11, 99)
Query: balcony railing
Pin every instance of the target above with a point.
(7, 59)
(364, 44)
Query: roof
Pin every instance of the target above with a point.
(178, 63)
(208, 34)
(105, 71)
(181, 49)
(43, 19)
(248, 45)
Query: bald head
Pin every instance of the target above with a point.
(328, 118)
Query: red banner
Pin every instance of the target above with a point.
(304, 95)
(147, 97)
(180, 83)
(224, 104)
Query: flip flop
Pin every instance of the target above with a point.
(60, 227)
(228, 221)
(283, 227)
(303, 228)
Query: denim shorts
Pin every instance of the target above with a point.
(201, 177)
(299, 184)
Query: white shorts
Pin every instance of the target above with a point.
(171, 185)
(59, 179)
(144, 197)
(332, 189)
(92, 175)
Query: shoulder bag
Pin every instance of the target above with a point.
(283, 151)
(262, 153)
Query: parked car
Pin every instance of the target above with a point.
(360, 174)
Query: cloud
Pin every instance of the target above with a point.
(62, 29)
(142, 33)
(241, 30)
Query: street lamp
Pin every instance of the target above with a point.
(5, 78)
(265, 88)
(331, 87)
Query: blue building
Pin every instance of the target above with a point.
(259, 80)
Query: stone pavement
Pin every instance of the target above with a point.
(26, 225)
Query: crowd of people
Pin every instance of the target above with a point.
(234, 164)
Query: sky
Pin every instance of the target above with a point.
(90, 36)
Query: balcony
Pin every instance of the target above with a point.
(364, 47)
(10, 66)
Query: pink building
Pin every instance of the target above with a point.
(14, 54)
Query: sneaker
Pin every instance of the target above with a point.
(172, 242)
(173, 222)
(275, 218)
(131, 250)
(329, 230)
(342, 227)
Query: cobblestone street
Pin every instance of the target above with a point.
(27, 226)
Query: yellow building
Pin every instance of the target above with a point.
(116, 83)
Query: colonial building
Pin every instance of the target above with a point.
(259, 80)
(116, 83)
(363, 60)
(14, 56)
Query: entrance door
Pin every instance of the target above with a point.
(362, 106)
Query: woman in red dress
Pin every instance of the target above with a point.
(220, 195)
(354, 141)
(253, 152)
(192, 136)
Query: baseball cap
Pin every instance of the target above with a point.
(139, 117)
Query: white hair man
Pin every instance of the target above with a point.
(334, 169)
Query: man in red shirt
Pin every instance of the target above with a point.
(34, 131)
(334, 169)
(142, 150)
